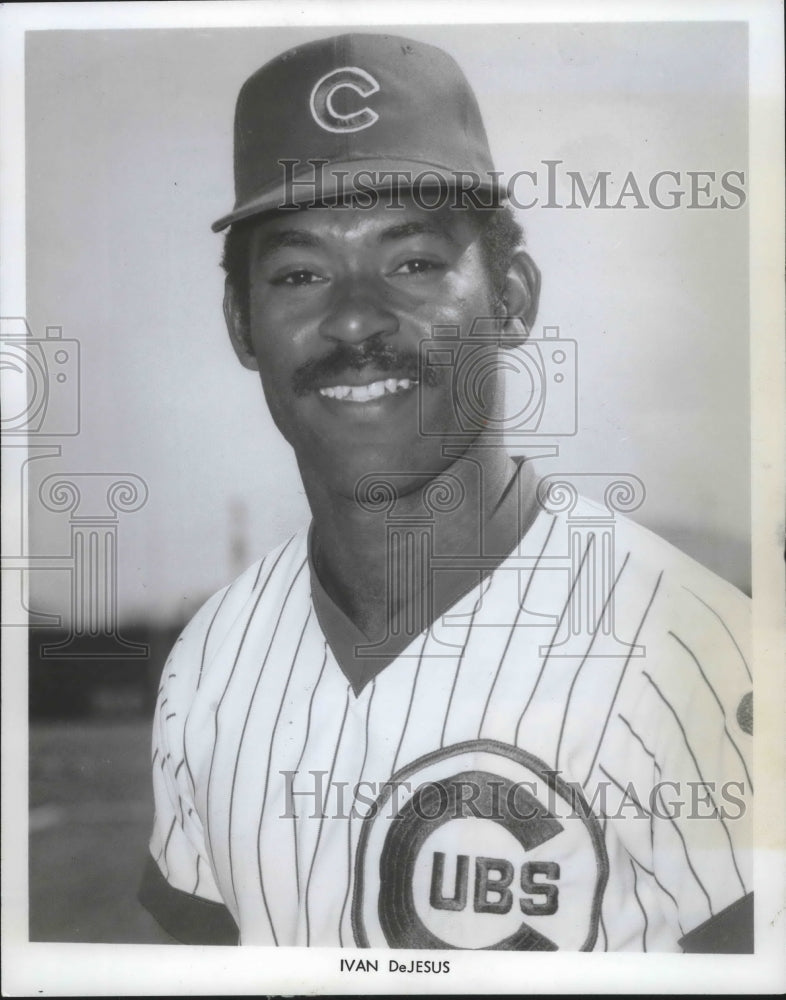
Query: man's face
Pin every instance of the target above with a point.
(340, 300)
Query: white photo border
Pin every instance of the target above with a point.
(75, 969)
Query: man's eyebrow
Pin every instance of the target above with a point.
(415, 228)
(270, 242)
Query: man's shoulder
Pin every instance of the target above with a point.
(652, 556)
(230, 608)
(687, 626)
(270, 572)
(669, 608)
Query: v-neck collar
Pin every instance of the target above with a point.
(345, 638)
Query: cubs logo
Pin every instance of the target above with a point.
(479, 846)
(321, 101)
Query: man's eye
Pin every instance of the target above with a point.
(298, 278)
(417, 266)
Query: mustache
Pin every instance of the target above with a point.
(382, 357)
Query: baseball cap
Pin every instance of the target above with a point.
(370, 109)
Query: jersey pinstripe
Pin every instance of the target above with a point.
(265, 761)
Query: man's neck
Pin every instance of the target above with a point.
(376, 565)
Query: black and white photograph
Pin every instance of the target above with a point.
(393, 490)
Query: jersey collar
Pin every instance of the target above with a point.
(351, 647)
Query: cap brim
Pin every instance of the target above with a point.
(361, 177)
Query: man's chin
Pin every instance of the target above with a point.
(374, 477)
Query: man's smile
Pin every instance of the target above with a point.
(380, 367)
(368, 391)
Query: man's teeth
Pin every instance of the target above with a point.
(362, 393)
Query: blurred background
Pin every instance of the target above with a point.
(154, 472)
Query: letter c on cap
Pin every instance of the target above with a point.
(321, 101)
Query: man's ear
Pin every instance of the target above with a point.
(237, 326)
(520, 298)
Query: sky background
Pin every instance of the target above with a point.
(129, 160)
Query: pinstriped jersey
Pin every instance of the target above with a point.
(561, 761)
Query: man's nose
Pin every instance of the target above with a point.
(356, 313)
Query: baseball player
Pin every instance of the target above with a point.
(463, 708)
